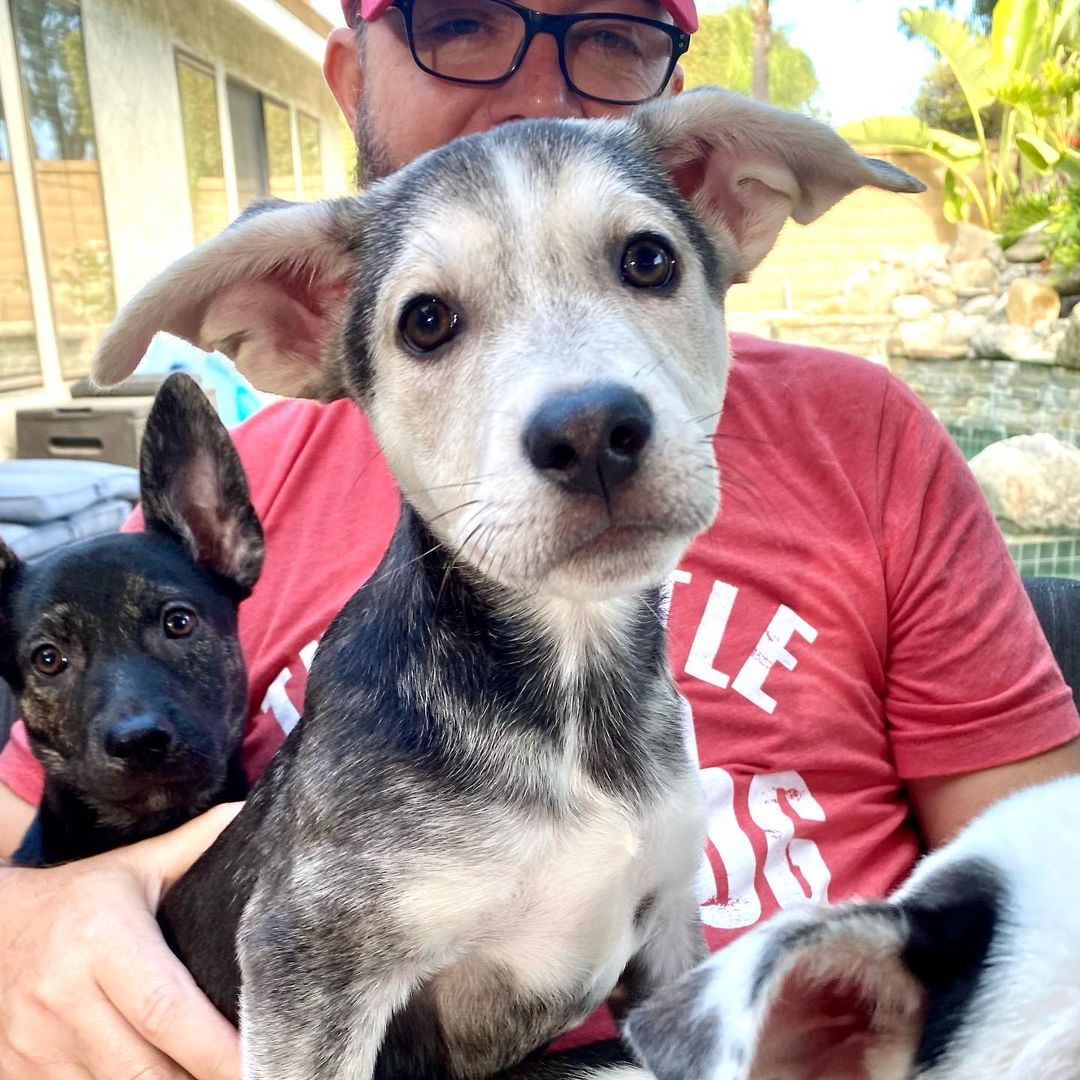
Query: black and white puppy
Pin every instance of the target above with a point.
(969, 972)
(488, 815)
(122, 650)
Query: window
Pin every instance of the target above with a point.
(262, 145)
(52, 64)
(279, 152)
(202, 146)
(249, 143)
(310, 157)
(19, 364)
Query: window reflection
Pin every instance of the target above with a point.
(310, 157)
(202, 147)
(279, 153)
(52, 64)
(20, 364)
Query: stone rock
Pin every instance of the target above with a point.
(1068, 351)
(1013, 273)
(941, 297)
(979, 305)
(1032, 482)
(1067, 282)
(1003, 341)
(1030, 248)
(1031, 302)
(961, 328)
(972, 277)
(971, 242)
(1068, 305)
(911, 306)
(870, 291)
(918, 337)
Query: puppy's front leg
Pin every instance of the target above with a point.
(674, 942)
(319, 989)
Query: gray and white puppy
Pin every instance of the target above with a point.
(969, 972)
(488, 816)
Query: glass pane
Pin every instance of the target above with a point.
(52, 64)
(310, 157)
(202, 145)
(279, 150)
(19, 363)
(249, 143)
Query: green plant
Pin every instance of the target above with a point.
(1029, 67)
(722, 55)
(1026, 211)
(1063, 231)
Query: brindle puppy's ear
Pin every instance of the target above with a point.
(10, 565)
(194, 488)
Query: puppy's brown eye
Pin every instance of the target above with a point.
(48, 660)
(427, 323)
(648, 262)
(178, 622)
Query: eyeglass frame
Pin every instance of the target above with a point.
(539, 22)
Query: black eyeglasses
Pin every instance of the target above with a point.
(614, 58)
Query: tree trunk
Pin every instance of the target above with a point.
(759, 16)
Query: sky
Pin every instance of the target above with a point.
(866, 67)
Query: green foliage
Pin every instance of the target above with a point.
(1027, 69)
(978, 19)
(940, 104)
(1024, 212)
(722, 55)
(1063, 232)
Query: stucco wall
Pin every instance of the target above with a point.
(131, 49)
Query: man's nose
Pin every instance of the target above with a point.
(537, 88)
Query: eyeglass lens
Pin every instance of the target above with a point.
(479, 41)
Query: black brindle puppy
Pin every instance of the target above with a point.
(122, 650)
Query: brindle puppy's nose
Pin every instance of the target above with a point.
(591, 440)
(143, 740)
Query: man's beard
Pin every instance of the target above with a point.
(372, 158)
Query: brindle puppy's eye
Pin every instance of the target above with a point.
(428, 323)
(648, 262)
(179, 622)
(48, 660)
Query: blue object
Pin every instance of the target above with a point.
(34, 490)
(30, 541)
(234, 397)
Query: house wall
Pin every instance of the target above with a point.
(131, 55)
(131, 48)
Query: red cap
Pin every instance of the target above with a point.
(684, 12)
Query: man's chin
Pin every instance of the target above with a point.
(373, 159)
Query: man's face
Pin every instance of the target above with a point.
(398, 112)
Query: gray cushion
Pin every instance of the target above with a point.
(28, 542)
(37, 490)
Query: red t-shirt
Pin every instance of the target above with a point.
(850, 621)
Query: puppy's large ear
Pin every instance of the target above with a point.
(746, 167)
(809, 994)
(269, 292)
(193, 485)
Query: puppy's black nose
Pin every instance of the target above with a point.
(142, 740)
(591, 440)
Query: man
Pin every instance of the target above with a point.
(855, 646)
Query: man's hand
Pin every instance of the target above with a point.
(88, 988)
